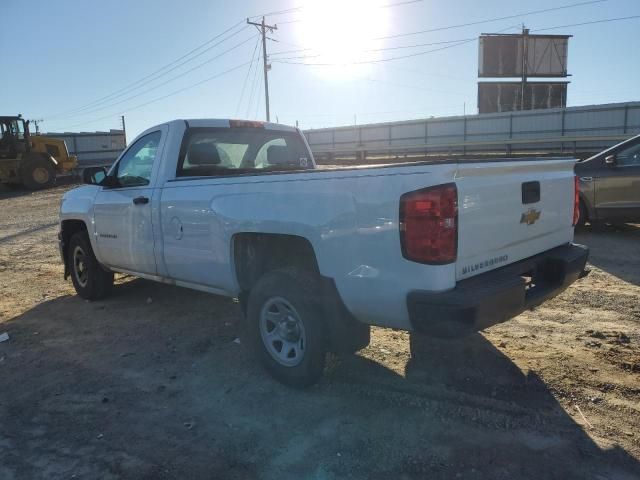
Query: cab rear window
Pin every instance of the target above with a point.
(231, 151)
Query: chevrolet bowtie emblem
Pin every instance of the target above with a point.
(530, 217)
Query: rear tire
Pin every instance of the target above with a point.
(583, 215)
(38, 173)
(286, 328)
(91, 281)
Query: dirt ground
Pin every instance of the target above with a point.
(150, 384)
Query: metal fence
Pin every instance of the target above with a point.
(574, 130)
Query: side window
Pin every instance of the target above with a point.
(134, 168)
(19, 130)
(629, 157)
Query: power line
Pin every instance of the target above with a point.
(258, 98)
(386, 48)
(455, 42)
(389, 5)
(461, 42)
(277, 12)
(398, 4)
(246, 78)
(285, 52)
(170, 64)
(99, 105)
(188, 87)
(155, 87)
(586, 23)
(254, 84)
(382, 60)
(456, 26)
(497, 19)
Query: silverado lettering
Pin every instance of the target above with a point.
(483, 265)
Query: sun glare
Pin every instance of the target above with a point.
(342, 33)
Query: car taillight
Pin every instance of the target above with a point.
(429, 224)
(576, 200)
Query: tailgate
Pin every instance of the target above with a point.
(511, 210)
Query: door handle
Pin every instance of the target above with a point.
(586, 179)
(140, 200)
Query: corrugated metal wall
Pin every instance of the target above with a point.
(571, 130)
(94, 148)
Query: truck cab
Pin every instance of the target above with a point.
(14, 134)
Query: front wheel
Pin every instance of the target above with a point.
(38, 174)
(286, 326)
(91, 281)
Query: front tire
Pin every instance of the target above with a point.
(91, 281)
(38, 174)
(286, 328)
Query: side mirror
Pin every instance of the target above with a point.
(94, 175)
(611, 160)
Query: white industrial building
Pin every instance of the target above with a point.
(93, 148)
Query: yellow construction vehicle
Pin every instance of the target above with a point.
(33, 161)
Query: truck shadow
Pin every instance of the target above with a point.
(153, 384)
(13, 191)
(29, 231)
(606, 242)
(497, 420)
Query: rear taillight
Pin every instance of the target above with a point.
(576, 200)
(429, 224)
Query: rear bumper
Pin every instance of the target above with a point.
(499, 295)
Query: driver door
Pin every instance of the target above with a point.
(122, 214)
(618, 187)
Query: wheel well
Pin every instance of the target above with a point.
(67, 230)
(255, 254)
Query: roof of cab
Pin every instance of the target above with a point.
(228, 123)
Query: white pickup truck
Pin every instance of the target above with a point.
(316, 255)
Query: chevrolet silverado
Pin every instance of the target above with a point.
(317, 255)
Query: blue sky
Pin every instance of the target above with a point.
(84, 50)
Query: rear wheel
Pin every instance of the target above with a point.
(91, 281)
(38, 174)
(286, 327)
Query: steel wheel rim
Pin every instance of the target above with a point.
(41, 175)
(80, 266)
(282, 332)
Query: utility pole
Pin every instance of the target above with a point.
(124, 130)
(263, 27)
(525, 65)
(36, 123)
